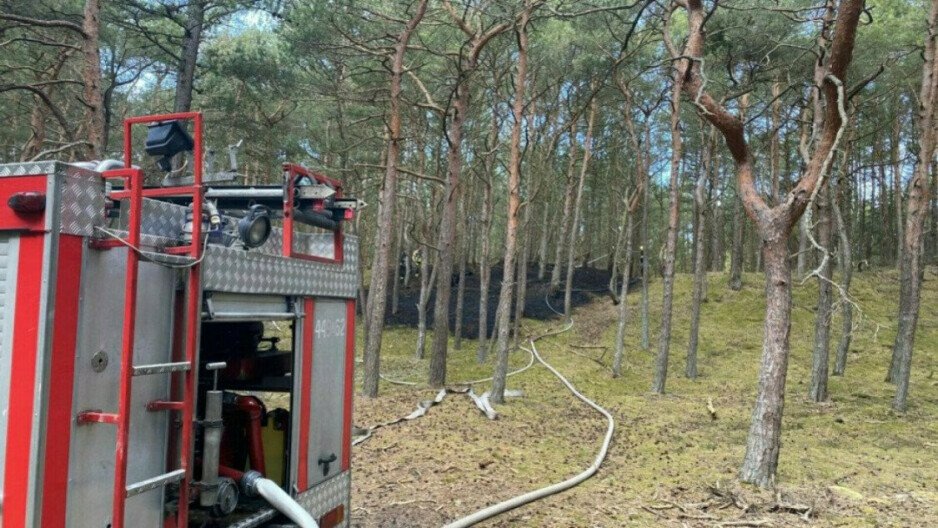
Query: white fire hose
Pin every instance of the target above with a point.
(254, 484)
(552, 489)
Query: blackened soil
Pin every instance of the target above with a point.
(588, 284)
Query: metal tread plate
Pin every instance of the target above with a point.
(234, 270)
(78, 193)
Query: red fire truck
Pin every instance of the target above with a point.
(174, 355)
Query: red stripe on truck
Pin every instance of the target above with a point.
(23, 380)
(59, 418)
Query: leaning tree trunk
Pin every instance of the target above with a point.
(664, 339)
(817, 391)
(911, 269)
(380, 266)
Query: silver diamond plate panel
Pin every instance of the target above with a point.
(80, 193)
(29, 168)
(239, 271)
(82, 199)
(322, 498)
(160, 218)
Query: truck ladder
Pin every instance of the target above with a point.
(134, 192)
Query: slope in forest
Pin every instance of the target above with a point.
(850, 461)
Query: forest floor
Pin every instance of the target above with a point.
(847, 462)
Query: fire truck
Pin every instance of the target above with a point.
(174, 354)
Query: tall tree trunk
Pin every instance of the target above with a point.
(485, 267)
(542, 248)
(817, 391)
(567, 218)
(461, 286)
(700, 265)
(91, 78)
(499, 379)
(774, 223)
(846, 270)
(192, 39)
(427, 274)
(897, 183)
(575, 224)
(911, 269)
(522, 282)
(396, 278)
(674, 216)
(646, 275)
(717, 253)
(385, 232)
(762, 447)
(619, 356)
(445, 243)
(934, 214)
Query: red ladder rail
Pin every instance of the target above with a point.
(134, 192)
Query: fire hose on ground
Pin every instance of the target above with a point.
(546, 491)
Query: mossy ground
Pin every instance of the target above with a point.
(667, 452)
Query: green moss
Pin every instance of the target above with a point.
(668, 446)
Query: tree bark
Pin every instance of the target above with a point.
(542, 248)
(674, 209)
(700, 265)
(485, 267)
(846, 270)
(500, 377)
(817, 390)
(575, 224)
(911, 269)
(897, 184)
(762, 447)
(460, 288)
(623, 318)
(568, 199)
(385, 232)
(192, 39)
(522, 274)
(774, 223)
(646, 275)
(91, 78)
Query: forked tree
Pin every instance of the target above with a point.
(774, 224)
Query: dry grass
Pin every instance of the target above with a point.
(668, 452)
